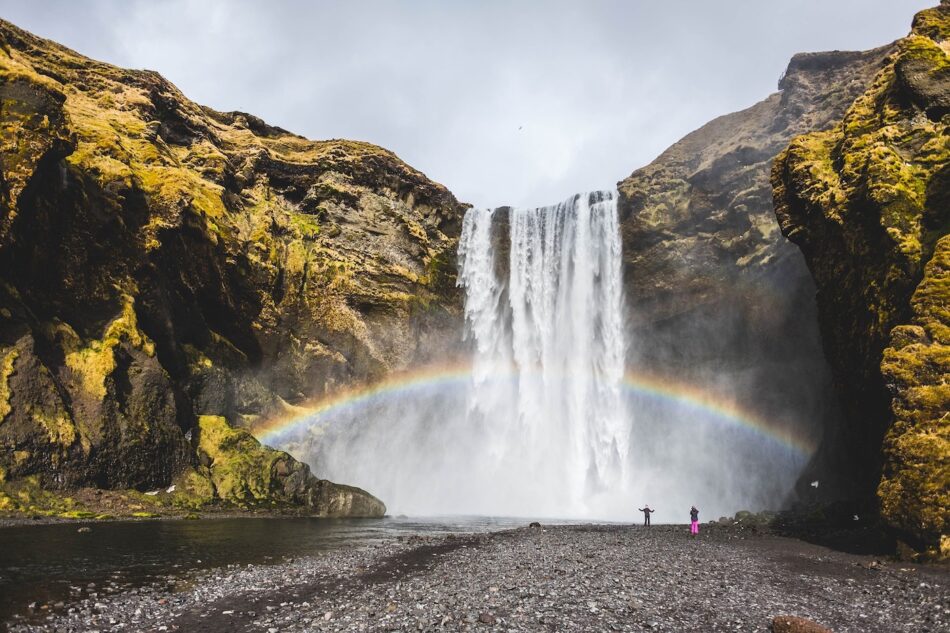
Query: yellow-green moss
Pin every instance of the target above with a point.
(116, 144)
(876, 174)
(306, 225)
(923, 48)
(6, 370)
(197, 360)
(77, 514)
(132, 133)
(59, 426)
(241, 468)
(92, 365)
(932, 23)
(915, 486)
(27, 496)
(193, 490)
(95, 362)
(203, 155)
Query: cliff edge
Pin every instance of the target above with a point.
(868, 204)
(169, 273)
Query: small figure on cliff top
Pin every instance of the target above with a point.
(646, 514)
(693, 521)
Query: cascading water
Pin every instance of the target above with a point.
(552, 327)
(543, 425)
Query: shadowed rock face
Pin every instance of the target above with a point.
(717, 295)
(868, 203)
(160, 262)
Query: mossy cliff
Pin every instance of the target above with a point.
(169, 272)
(718, 296)
(868, 203)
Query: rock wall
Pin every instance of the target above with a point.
(868, 203)
(717, 296)
(168, 272)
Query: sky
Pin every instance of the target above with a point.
(504, 102)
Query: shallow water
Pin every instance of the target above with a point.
(47, 564)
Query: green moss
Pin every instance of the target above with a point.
(145, 515)
(305, 224)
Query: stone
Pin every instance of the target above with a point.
(794, 624)
(486, 618)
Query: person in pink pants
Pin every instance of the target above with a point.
(694, 521)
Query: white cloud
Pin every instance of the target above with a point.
(598, 88)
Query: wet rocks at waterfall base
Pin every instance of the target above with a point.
(568, 578)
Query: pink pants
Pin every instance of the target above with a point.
(694, 527)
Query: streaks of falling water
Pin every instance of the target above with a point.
(552, 317)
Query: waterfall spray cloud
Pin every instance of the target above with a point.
(542, 418)
(720, 410)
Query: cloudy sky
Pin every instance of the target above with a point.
(504, 102)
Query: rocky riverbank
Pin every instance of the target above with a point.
(553, 578)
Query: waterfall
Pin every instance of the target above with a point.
(542, 424)
(547, 333)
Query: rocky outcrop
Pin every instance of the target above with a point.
(700, 216)
(868, 203)
(718, 296)
(168, 272)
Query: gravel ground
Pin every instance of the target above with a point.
(565, 578)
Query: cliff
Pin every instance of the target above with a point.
(868, 204)
(718, 296)
(168, 273)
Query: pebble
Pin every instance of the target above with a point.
(567, 578)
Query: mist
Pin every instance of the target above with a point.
(567, 406)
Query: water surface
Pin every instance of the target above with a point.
(50, 564)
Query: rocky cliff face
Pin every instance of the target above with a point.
(868, 203)
(717, 295)
(168, 272)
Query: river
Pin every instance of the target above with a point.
(44, 565)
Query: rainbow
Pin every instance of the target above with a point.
(717, 408)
